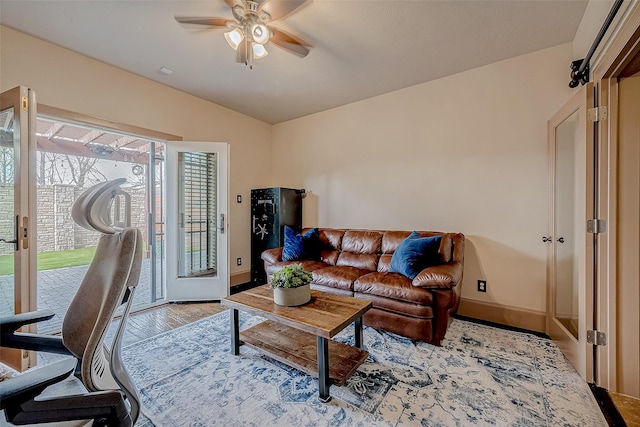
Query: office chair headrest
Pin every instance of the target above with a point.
(92, 210)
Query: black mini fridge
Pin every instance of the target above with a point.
(271, 210)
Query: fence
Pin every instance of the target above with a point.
(56, 230)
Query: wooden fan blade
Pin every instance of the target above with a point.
(280, 9)
(289, 42)
(212, 23)
(232, 3)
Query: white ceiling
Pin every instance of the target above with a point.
(361, 48)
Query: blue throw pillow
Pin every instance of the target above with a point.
(300, 246)
(414, 254)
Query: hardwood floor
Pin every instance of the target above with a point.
(153, 321)
(629, 408)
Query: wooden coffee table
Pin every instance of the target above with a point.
(301, 336)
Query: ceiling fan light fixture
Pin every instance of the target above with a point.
(250, 30)
(260, 33)
(259, 51)
(234, 38)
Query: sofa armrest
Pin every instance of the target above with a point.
(443, 276)
(272, 256)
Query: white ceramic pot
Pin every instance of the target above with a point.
(290, 297)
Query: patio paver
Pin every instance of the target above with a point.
(56, 289)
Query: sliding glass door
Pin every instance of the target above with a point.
(71, 157)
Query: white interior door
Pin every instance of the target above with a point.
(197, 231)
(569, 285)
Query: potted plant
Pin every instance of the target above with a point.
(291, 285)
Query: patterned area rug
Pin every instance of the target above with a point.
(481, 376)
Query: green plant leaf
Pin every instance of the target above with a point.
(291, 276)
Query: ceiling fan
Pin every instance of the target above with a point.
(251, 27)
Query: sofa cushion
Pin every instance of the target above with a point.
(362, 241)
(391, 240)
(363, 261)
(416, 253)
(300, 246)
(384, 263)
(339, 277)
(392, 285)
(330, 256)
(330, 238)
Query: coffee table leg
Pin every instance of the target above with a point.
(235, 332)
(358, 327)
(324, 382)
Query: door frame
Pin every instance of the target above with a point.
(23, 101)
(576, 350)
(621, 47)
(200, 289)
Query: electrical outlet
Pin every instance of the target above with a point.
(239, 261)
(482, 286)
(239, 198)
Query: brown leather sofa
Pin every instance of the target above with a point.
(357, 263)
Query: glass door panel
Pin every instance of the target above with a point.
(8, 218)
(157, 199)
(566, 266)
(198, 214)
(72, 157)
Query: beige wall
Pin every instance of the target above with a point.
(465, 153)
(67, 80)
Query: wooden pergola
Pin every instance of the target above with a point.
(67, 138)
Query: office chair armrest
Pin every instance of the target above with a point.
(35, 342)
(107, 406)
(30, 384)
(26, 341)
(16, 321)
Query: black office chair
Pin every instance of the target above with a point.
(108, 395)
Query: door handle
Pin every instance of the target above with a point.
(561, 240)
(16, 230)
(221, 223)
(546, 239)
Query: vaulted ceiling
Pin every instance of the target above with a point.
(361, 48)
